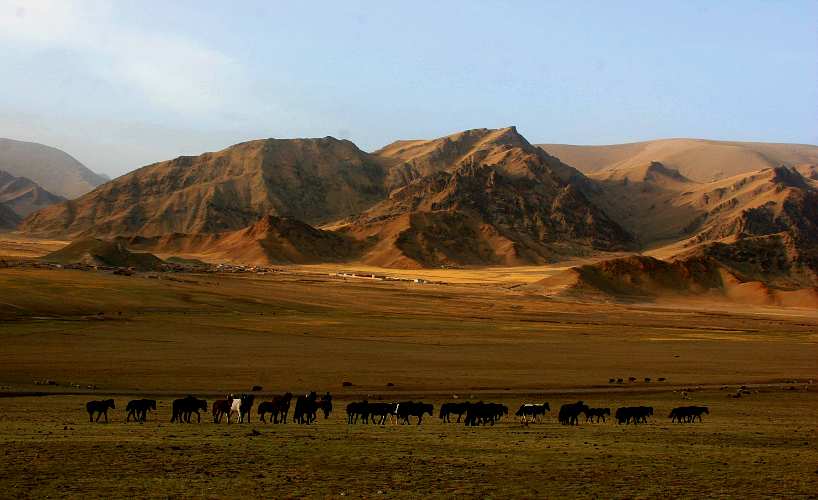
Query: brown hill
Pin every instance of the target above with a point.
(97, 252)
(271, 240)
(315, 180)
(485, 197)
(54, 170)
(757, 231)
(645, 276)
(645, 200)
(641, 278)
(664, 209)
(23, 195)
(698, 159)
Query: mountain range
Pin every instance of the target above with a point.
(52, 169)
(476, 198)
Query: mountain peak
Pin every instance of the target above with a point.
(49, 167)
(788, 177)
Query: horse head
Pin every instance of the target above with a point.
(202, 404)
(110, 404)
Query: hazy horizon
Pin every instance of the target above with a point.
(120, 85)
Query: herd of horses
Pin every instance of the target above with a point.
(239, 408)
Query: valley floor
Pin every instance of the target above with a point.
(211, 334)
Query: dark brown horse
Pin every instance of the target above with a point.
(221, 407)
(278, 407)
(100, 408)
(184, 408)
(139, 408)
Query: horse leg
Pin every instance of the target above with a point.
(91, 416)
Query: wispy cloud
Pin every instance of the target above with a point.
(172, 71)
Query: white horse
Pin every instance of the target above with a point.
(235, 410)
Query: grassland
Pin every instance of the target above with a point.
(298, 331)
(765, 445)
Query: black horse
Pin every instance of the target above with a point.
(532, 411)
(245, 407)
(408, 409)
(358, 410)
(481, 413)
(569, 413)
(449, 409)
(688, 414)
(139, 408)
(380, 412)
(633, 414)
(184, 408)
(100, 408)
(306, 408)
(598, 413)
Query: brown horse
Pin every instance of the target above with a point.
(279, 407)
(221, 408)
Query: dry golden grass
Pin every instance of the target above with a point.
(294, 330)
(14, 245)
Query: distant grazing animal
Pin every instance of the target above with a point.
(569, 413)
(481, 413)
(100, 408)
(633, 414)
(598, 413)
(184, 408)
(221, 407)
(532, 411)
(139, 408)
(406, 409)
(449, 409)
(688, 414)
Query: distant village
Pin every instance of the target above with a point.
(171, 267)
(384, 277)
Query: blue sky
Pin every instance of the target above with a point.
(123, 84)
